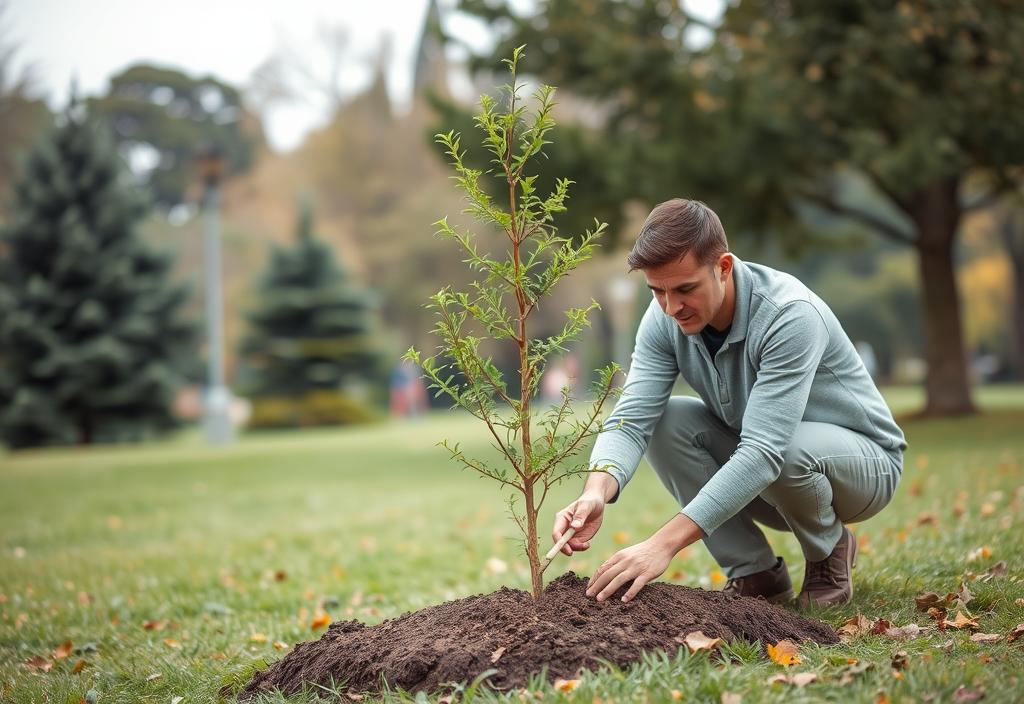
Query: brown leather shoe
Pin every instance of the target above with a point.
(828, 582)
(772, 584)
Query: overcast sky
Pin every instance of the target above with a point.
(92, 39)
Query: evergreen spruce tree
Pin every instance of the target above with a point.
(312, 339)
(93, 342)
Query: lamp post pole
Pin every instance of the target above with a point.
(216, 418)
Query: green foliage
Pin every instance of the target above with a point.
(172, 112)
(512, 286)
(313, 330)
(92, 340)
(316, 408)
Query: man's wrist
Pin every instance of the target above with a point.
(600, 485)
(679, 532)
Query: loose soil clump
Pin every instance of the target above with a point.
(566, 630)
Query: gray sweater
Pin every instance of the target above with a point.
(786, 359)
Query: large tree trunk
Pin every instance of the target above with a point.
(936, 213)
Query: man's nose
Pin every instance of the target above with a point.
(673, 304)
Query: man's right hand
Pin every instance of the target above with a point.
(585, 515)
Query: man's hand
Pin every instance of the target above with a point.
(641, 563)
(585, 515)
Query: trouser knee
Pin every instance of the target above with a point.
(672, 441)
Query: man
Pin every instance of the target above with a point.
(789, 430)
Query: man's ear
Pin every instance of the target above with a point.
(725, 265)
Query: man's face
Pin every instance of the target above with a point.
(690, 292)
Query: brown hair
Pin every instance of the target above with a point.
(674, 228)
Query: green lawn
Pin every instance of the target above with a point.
(229, 551)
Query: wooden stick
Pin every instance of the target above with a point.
(558, 546)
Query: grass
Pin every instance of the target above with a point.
(225, 552)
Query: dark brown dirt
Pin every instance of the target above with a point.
(565, 630)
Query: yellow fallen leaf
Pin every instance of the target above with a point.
(987, 509)
(716, 577)
(676, 695)
(785, 652)
(620, 537)
(258, 638)
(699, 641)
(320, 621)
(61, 651)
(962, 621)
(279, 645)
(566, 685)
(218, 656)
(171, 643)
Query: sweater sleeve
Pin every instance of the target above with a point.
(652, 373)
(790, 353)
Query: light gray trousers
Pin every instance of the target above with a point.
(830, 476)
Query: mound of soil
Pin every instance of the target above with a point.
(566, 630)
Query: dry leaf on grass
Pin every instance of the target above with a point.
(258, 638)
(154, 676)
(177, 700)
(946, 647)
(320, 621)
(798, 679)
(997, 570)
(496, 655)
(154, 625)
(566, 685)
(785, 652)
(963, 694)
(855, 626)
(676, 695)
(39, 662)
(280, 645)
(699, 641)
(911, 630)
(899, 660)
(731, 698)
(1016, 633)
(986, 637)
(853, 671)
(62, 650)
(78, 666)
(962, 621)
(928, 600)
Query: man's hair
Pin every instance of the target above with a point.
(674, 228)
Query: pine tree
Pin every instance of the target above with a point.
(93, 342)
(312, 339)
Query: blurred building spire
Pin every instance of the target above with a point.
(430, 72)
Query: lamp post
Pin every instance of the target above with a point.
(216, 419)
(622, 292)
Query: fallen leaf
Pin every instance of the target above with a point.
(496, 655)
(897, 674)
(566, 685)
(802, 679)
(620, 537)
(911, 630)
(987, 509)
(320, 621)
(496, 565)
(854, 670)
(177, 700)
(986, 637)
(946, 647)
(280, 645)
(218, 656)
(716, 577)
(1017, 632)
(927, 600)
(778, 678)
(938, 613)
(354, 697)
(171, 643)
(963, 596)
(676, 695)
(154, 676)
(280, 575)
(982, 552)
(963, 694)
(731, 698)
(881, 626)
(154, 625)
(698, 641)
(785, 652)
(927, 519)
(78, 666)
(258, 638)
(62, 650)
(855, 626)
(882, 698)
(962, 621)
(899, 660)
(39, 662)
(997, 570)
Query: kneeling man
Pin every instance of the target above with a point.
(789, 430)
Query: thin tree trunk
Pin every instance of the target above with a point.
(936, 212)
(1013, 237)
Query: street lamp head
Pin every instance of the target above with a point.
(211, 163)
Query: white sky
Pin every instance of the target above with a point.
(89, 40)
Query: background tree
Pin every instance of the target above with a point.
(92, 341)
(158, 115)
(920, 102)
(312, 331)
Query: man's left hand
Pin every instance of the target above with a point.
(641, 563)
